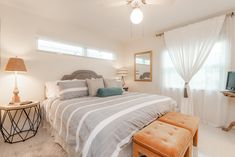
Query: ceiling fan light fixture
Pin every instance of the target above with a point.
(136, 16)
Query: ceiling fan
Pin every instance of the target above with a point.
(137, 16)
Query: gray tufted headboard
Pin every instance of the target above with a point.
(81, 75)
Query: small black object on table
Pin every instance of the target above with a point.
(125, 89)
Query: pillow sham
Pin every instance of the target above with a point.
(105, 92)
(94, 85)
(52, 89)
(112, 83)
(72, 89)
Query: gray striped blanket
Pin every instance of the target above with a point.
(102, 127)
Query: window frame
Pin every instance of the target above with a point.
(84, 49)
(170, 69)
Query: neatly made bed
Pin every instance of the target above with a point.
(102, 127)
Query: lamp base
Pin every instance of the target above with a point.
(15, 98)
(123, 82)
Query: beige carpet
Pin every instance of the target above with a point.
(42, 145)
(212, 143)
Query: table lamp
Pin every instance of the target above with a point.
(122, 72)
(15, 65)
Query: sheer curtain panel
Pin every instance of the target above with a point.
(209, 104)
(188, 48)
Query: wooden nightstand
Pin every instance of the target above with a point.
(19, 122)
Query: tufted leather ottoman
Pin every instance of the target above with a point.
(184, 121)
(162, 140)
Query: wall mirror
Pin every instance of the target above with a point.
(143, 66)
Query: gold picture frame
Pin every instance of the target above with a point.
(143, 59)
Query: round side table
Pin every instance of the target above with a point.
(19, 122)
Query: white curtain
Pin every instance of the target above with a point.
(209, 104)
(188, 48)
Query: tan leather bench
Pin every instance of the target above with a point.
(162, 140)
(184, 121)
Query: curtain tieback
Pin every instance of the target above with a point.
(185, 90)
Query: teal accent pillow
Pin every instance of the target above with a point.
(105, 92)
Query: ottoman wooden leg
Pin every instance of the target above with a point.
(135, 150)
(189, 151)
(195, 139)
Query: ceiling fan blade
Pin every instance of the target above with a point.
(159, 2)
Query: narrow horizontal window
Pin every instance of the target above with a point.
(57, 47)
(51, 46)
(99, 54)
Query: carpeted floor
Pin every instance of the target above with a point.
(212, 143)
(42, 145)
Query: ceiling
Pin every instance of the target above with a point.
(113, 22)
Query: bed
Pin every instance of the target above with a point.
(101, 127)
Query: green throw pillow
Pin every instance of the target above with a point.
(105, 92)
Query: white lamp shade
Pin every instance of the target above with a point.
(136, 16)
(122, 71)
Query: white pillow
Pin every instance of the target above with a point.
(112, 83)
(72, 89)
(52, 89)
(94, 85)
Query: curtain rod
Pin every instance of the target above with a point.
(162, 33)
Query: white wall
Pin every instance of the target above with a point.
(155, 44)
(19, 31)
(146, 44)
